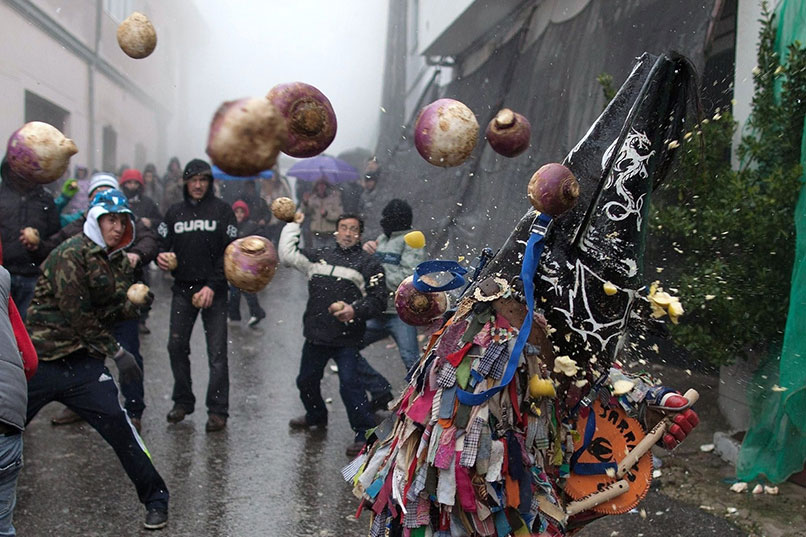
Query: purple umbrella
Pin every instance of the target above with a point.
(332, 169)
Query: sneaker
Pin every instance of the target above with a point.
(66, 417)
(253, 320)
(177, 414)
(381, 402)
(156, 519)
(354, 449)
(215, 422)
(301, 422)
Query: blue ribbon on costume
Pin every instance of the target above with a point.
(428, 267)
(589, 468)
(531, 258)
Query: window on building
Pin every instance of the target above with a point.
(109, 156)
(118, 9)
(40, 109)
(413, 25)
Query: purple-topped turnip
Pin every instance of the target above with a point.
(553, 189)
(250, 263)
(446, 132)
(309, 118)
(39, 152)
(416, 307)
(246, 136)
(137, 36)
(508, 133)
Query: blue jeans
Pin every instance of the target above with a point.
(214, 320)
(351, 387)
(127, 333)
(85, 386)
(404, 335)
(22, 291)
(235, 304)
(10, 466)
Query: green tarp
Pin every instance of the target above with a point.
(775, 444)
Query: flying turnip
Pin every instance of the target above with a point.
(508, 133)
(445, 133)
(245, 136)
(137, 36)
(553, 189)
(39, 152)
(309, 118)
(283, 209)
(250, 263)
(417, 308)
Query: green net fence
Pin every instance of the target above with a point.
(775, 444)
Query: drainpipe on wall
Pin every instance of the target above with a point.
(91, 68)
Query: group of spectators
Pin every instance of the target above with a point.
(70, 289)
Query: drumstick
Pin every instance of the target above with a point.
(652, 438)
(605, 495)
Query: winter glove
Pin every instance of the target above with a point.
(128, 369)
(70, 188)
(666, 400)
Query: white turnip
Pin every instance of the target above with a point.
(508, 133)
(445, 133)
(31, 235)
(39, 152)
(250, 263)
(170, 260)
(309, 118)
(553, 189)
(283, 209)
(245, 136)
(137, 294)
(416, 307)
(137, 36)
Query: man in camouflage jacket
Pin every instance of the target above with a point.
(79, 296)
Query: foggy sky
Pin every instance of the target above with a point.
(337, 46)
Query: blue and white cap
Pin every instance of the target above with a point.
(108, 201)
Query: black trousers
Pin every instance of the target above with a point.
(85, 386)
(214, 320)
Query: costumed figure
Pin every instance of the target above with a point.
(518, 419)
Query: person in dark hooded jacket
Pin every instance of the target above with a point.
(197, 231)
(24, 204)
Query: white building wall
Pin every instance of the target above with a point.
(143, 110)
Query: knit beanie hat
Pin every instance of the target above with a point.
(396, 216)
(132, 175)
(241, 204)
(102, 179)
(197, 167)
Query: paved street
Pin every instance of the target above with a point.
(256, 478)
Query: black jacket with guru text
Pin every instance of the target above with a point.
(198, 232)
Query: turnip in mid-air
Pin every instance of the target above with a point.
(309, 118)
(508, 133)
(445, 133)
(419, 308)
(250, 263)
(553, 189)
(39, 152)
(283, 209)
(137, 36)
(245, 136)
